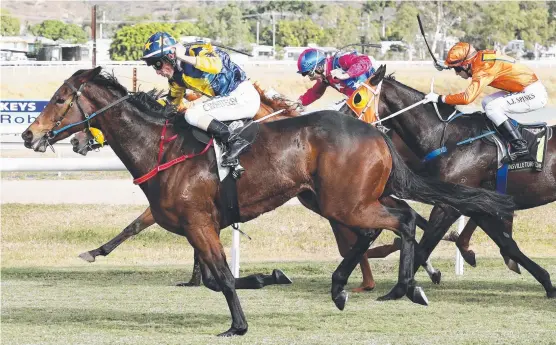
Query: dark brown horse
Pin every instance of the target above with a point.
(338, 165)
(472, 165)
(83, 142)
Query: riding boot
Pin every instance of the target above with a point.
(518, 146)
(235, 144)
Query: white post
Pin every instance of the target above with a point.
(59, 156)
(258, 28)
(235, 252)
(459, 258)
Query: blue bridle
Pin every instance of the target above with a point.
(75, 98)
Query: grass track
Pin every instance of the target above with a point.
(122, 305)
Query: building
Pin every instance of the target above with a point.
(21, 47)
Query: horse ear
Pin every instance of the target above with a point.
(89, 74)
(378, 75)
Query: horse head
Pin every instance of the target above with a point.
(363, 102)
(85, 141)
(66, 113)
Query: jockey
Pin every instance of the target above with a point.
(209, 71)
(345, 72)
(522, 90)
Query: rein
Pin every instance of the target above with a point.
(75, 98)
(161, 167)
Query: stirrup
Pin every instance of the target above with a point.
(230, 163)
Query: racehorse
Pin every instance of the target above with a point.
(338, 165)
(84, 141)
(472, 165)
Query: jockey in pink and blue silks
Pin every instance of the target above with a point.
(345, 72)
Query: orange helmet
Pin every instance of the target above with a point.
(460, 54)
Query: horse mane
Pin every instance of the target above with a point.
(278, 102)
(145, 102)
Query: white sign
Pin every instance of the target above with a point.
(20, 112)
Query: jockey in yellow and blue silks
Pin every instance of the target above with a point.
(209, 71)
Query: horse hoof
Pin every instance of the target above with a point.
(233, 331)
(189, 283)
(397, 292)
(469, 257)
(87, 257)
(341, 300)
(436, 277)
(552, 293)
(363, 288)
(513, 266)
(280, 277)
(417, 295)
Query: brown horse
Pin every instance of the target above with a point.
(84, 141)
(338, 165)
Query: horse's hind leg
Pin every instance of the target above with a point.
(463, 240)
(406, 283)
(348, 264)
(196, 275)
(345, 238)
(259, 280)
(497, 230)
(141, 223)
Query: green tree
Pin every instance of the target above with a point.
(298, 33)
(189, 29)
(405, 26)
(227, 26)
(9, 26)
(129, 41)
(345, 26)
(378, 8)
(58, 30)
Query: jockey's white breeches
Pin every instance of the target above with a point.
(242, 103)
(502, 104)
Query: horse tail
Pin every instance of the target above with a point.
(406, 184)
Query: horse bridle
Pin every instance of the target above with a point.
(75, 99)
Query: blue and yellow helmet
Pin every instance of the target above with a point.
(158, 46)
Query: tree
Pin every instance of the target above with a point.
(296, 33)
(343, 26)
(227, 26)
(189, 29)
(9, 26)
(405, 27)
(58, 30)
(129, 41)
(378, 8)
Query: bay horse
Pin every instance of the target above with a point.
(83, 142)
(474, 165)
(338, 165)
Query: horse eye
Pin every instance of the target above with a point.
(60, 101)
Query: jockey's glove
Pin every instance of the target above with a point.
(440, 66)
(432, 97)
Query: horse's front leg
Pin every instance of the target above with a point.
(141, 223)
(204, 238)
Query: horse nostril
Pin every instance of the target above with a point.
(74, 142)
(27, 135)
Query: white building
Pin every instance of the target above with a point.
(16, 47)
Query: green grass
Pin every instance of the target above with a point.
(122, 305)
(49, 296)
(53, 235)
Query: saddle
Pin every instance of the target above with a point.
(535, 134)
(245, 128)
